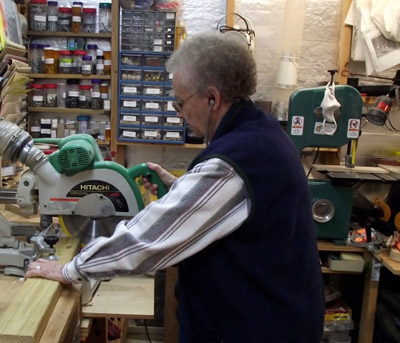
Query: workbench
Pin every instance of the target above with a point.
(66, 319)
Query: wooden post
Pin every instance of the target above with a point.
(230, 8)
(344, 43)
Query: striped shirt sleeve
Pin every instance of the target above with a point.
(204, 205)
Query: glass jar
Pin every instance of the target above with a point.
(83, 122)
(107, 62)
(85, 97)
(48, 60)
(38, 15)
(104, 17)
(50, 94)
(89, 19)
(34, 57)
(61, 94)
(35, 98)
(86, 65)
(77, 61)
(104, 90)
(41, 57)
(42, 47)
(72, 93)
(64, 19)
(76, 18)
(92, 51)
(65, 66)
(52, 16)
(99, 62)
(96, 100)
(56, 52)
(35, 128)
(107, 131)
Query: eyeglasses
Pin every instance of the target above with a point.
(178, 105)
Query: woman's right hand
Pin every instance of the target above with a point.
(166, 177)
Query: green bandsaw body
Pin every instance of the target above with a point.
(304, 119)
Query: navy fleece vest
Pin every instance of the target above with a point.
(263, 282)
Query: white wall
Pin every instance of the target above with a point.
(318, 52)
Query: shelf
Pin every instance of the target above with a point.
(185, 146)
(69, 76)
(67, 110)
(325, 245)
(68, 34)
(326, 270)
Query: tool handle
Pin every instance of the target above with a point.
(143, 170)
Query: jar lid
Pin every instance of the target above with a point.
(106, 5)
(52, 3)
(36, 85)
(91, 46)
(65, 9)
(96, 81)
(85, 118)
(85, 87)
(48, 48)
(38, 1)
(77, 3)
(50, 85)
(89, 10)
(87, 58)
(65, 52)
(33, 45)
(80, 52)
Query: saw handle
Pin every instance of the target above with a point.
(143, 170)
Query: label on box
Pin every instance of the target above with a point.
(131, 90)
(173, 135)
(131, 103)
(173, 120)
(151, 119)
(129, 118)
(130, 134)
(155, 91)
(153, 105)
(150, 133)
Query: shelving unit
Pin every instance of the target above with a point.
(70, 113)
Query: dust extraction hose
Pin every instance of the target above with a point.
(17, 145)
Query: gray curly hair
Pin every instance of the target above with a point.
(215, 59)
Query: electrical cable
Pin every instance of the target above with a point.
(313, 162)
(147, 331)
(208, 121)
(248, 32)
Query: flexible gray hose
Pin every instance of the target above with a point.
(17, 145)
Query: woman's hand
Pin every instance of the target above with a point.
(46, 269)
(166, 177)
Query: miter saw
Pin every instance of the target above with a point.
(87, 194)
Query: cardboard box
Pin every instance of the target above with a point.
(346, 262)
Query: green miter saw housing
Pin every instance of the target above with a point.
(332, 204)
(89, 195)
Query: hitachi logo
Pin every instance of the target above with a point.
(95, 187)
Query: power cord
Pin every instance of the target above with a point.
(147, 331)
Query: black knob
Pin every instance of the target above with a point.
(51, 240)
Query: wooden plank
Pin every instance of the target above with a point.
(370, 296)
(123, 297)
(69, 34)
(63, 324)
(171, 324)
(114, 76)
(390, 264)
(28, 313)
(356, 169)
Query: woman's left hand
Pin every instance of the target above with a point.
(46, 269)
